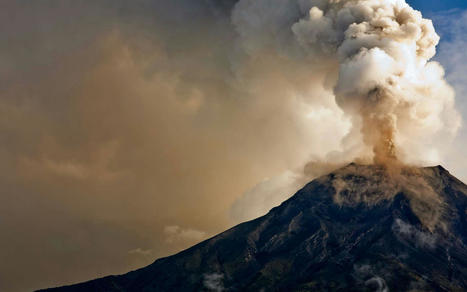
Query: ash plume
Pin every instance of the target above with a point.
(375, 59)
(130, 113)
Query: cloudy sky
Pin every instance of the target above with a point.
(133, 129)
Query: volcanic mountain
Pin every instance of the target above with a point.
(359, 228)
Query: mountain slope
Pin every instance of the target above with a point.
(360, 228)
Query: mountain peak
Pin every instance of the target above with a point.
(359, 228)
(371, 184)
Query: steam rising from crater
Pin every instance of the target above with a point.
(375, 59)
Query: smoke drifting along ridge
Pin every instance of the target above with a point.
(376, 57)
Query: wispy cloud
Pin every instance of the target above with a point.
(176, 233)
(140, 251)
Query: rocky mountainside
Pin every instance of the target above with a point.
(360, 228)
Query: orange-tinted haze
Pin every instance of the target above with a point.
(132, 129)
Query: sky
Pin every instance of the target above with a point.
(450, 21)
(126, 136)
(433, 6)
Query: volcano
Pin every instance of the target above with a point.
(359, 228)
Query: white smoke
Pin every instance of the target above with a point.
(367, 64)
(374, 58)
(366, 275)
(214, 282)
(378, 283)
(168, 97)
(405, 231)
(175, 233)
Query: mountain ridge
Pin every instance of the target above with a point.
(359, 228)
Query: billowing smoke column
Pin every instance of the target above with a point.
(377, 53)
(383, 48)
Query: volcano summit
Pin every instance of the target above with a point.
(359, 228)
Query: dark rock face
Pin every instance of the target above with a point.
(360, 228)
